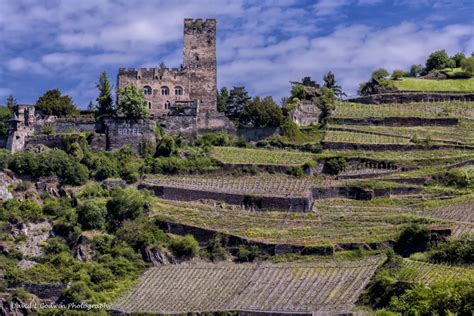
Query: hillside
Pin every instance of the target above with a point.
(446, 85)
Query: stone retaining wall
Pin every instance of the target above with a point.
(50, 291)
(411, 96)
(385, 147)
(359, 193)
(256, 134)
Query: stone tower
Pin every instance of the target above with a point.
(199, 59)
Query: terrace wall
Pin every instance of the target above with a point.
(385, 147)
(411, 96)
(395, 121)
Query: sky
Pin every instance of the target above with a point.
(261, 44)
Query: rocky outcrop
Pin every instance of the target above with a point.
(157, 256)
(36, 233)
(49, 185)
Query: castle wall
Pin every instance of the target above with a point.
(174, 80)
(122, 132)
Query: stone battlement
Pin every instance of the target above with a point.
(156, 70)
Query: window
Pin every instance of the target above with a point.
(165, 90)
(147, 90)
(149, 105)
(178, 91)
(167, 105)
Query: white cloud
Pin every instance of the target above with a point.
(20, 64)
(328, 7)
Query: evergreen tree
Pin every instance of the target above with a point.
(238, 99)
(53, 103)
(11, 102)
(222, 98)
(330, 83)
(104, 100)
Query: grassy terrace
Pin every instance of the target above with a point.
(423, 110)
(234, 155)
(460, 133)
(429, 273)
(334, 221)
(455, 85)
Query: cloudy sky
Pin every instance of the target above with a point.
(262, 44)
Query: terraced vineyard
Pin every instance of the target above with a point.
(422, 110)
(363, 138)
(259, 156)
(460, 213)
(332, 222)
(298, 287)
(270, 185)
(430, 273)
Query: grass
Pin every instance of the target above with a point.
(455, 85)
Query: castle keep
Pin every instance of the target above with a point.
(193, 85)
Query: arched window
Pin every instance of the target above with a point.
(178, 91)
(149, 105)
(147, 90)
(167, 105)
(165, 90)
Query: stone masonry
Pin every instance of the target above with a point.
(194, 83)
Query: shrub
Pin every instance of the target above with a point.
(24, 163)
(140, 233)
(215, 139)
(125, 204)
(166, 147)
(104, 167)
(296, 171)
(47, 129)
(455, 178)
(468, 65)
(290, 129)
(78, 292)
(248, 253)
(334, 166)
(215, 248)
(185, 246)
(398, 74)
(455, 251)
(91, 215)
(5, 158)
(55, 245)
(414, 238)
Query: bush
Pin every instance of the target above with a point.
(334, 166)
(166, 147)
(398, 74)
(296, 171)
(55, 245)
(248, 253)
(455, 251)
(455, 178)
(215, 139)
(104, 167)
(215, 248)
(125, 204)
(290, 129)
(185, 246)
(414, 238)
(5, 158)
(140, 233)
(91, 215)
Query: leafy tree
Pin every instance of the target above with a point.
(91, 215)
(416, 70)
(238, 99)
(335, 165)
(380, 74)
(437, 60)
(326, 102)
(398, 74)
(458, 58)
(125, 204)
(414, 238)
(185, 246)
(166, 147)
(307, 89)
(377, 84)
(53, 103)
(5, 114)
(132, 102)
(104, 100)
(468, 65)
(261, 113)
(330, 83)
(455, 251)
(11, 102)
(222, 99)
(140, 233)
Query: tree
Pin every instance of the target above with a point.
(437, 60)
(261, 113)
(104, 100)
(398, 74)
(238, 99)
(380, 74)
(330, 83)
(91, 215)
(458, 58)
(307, 89)
(377, 84)
(416, 70)
(11, 102)
(125, 204)
(166, 147)
(53, 103)
(326, 102)
(468, 65)
(222, 99)
(132, 102)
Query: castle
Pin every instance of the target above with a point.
(193, 85)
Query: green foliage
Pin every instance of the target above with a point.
(11, 103)
(104, 100)
(125, 204)
(47, 129)
(141, 233)
(16, 210)
(184, 246)
(414, 238)
(290, 129)
(261, 113)
(238, 99)
(458, 58)
(416, 70)
(215, 248)
(146, 148)
(104, 165)
(132, 102)
(248, 253)
(178, 165)
(222, 99)
(5, 158)
(215, 139)
(55, 246)
(334, 166)
(296, 171)
(5, 114)
(456, 178)
(326, 102)
(53, 103)
(91, 215)
(398, 74)
(166, 147)
(380, 74)
(455, 251)
(330, 83)
(437, 60)
(467, 65)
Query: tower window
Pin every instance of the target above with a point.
(167, 105)
(147, 90)
(149, 105)
(164, 90)
(178, 91)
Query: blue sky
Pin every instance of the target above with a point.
(261, 44)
